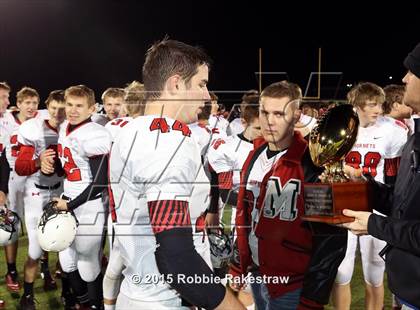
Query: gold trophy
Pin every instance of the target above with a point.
(329, 142)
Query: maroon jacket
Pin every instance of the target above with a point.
(288, 246)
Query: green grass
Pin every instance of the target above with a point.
(51, 300)
(357, 283)
(46, 300)
(358, 289)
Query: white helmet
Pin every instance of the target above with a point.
(56, 228)
(9, 226)
(220, 247)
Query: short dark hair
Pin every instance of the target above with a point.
(393, 93)
(55, 95)
(250, 112)
(205, 111)
(213, 96)
(168, 57)
(251, 96)
(283, 89)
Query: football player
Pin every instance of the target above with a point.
(83, 148)
(217, 120)
(113, 100)
(395, 108)
(203, 133)
(27, 102)
(235, 125)
(156, 160)
(35, 136)
(4, 165)
(376, 152)
(4, 103)
(134, 105)
(226, 158)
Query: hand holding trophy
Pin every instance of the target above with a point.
(329, 142)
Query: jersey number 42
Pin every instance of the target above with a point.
(72, 171)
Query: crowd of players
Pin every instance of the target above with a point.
(156, 173)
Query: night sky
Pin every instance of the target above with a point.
(52, 44)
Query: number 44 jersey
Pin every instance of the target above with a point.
(156, 158)
(152, 159)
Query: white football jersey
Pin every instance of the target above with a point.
(43, 114)
(235, 127)
(100, 119)
(156, 158)
(153, 158)
(114, 126)
(75, 148)
(395, 123)
(203, 135)
(229, 155)
(137, 243)
(218, 121)
(260, 168)
(3, 130)
(383, 140)
(40, 135)
(10, 126)
(308, 121)
(409, 122)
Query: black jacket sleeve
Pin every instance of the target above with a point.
(99, 168)
(382, 195)
(403, 234)
(229, 196)
(177, 260)
(214, 194)
(4, 173)
(329, 247)
(329, 244)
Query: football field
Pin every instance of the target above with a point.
(45, 300)
(51, 300)
(357, 285)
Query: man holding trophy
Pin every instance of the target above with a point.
(273, 239)
(401, 229)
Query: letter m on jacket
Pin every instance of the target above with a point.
(280, 201)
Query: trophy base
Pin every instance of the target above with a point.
(325, 202)
(336, 219)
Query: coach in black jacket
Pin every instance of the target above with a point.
(401, 230)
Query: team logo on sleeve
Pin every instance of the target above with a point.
(280, 201)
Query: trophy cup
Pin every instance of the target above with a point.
(329, 142)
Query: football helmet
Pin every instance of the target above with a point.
(220, 247)
(56, 228)
(9, 226)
